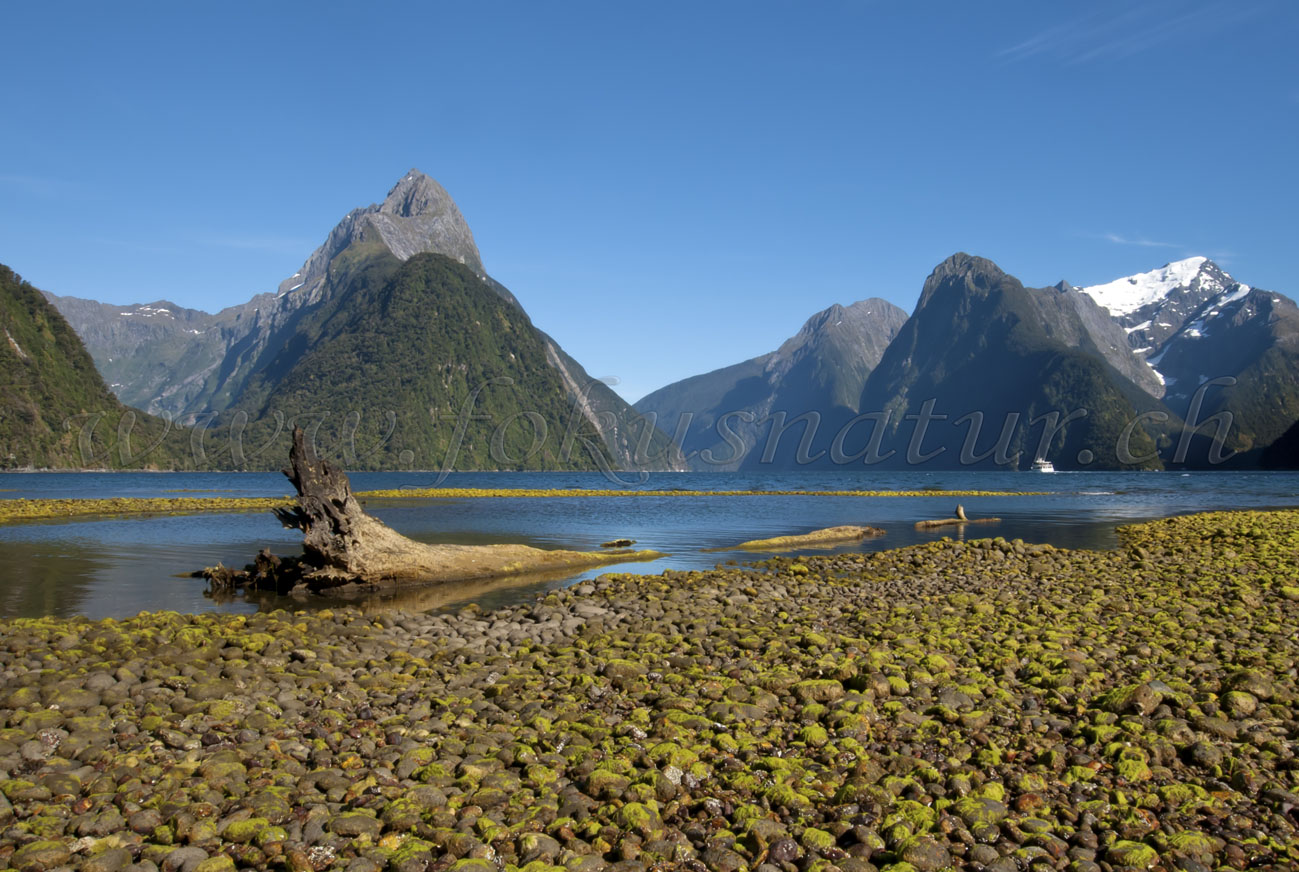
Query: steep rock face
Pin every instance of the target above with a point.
(692, 410)
(818, 371)
(634, 440)
(1237, 354)
(987, 372)
(828, 360)
(417, 216)
(1106, 337)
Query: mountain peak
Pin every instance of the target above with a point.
(417, 194)
(1128, 294)
(966, 266)
(417, 216)
(963, 270)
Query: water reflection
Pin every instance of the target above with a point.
(40, 581)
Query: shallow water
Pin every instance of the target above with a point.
(118, 567)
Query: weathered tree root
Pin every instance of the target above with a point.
(342, 545)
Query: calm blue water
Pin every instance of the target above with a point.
(118, 567)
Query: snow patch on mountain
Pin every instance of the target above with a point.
(1126, 295)
(150, 311)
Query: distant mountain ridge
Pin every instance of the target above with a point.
(1179, 366)
(1154, 305)
(1142, 371)
(821, 369)
(171, 360)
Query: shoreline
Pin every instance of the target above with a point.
(984, 704)
(16, 509)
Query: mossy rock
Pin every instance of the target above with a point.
(540, 866)
(1135, 854)
(244, 831)
(1134, 770)
(1138, 699)
(474, 864)
(814, 736)
(40, 856)
(981, 811)
(219, 863)
(1194, 843)
(221, 709)
(640, 818)
(925, 854)
(781, 793)
(817, 840)
(353, 824)
(819, 690)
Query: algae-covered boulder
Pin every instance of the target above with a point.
(40, 856)
(1136, 699)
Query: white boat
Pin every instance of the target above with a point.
(1043, 465)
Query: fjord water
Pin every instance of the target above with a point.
(116, 567)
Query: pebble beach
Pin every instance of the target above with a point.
(986, 704)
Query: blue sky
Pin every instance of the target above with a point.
(667, 187)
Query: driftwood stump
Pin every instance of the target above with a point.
(342, 545)
(328, 513)
(960, 520)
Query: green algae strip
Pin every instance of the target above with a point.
(44, 510)
(52, 509)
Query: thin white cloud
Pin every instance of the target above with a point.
(1145, 243)
(285, 244)
(1121, 31)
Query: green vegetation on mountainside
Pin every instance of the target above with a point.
(55, 410)
(413, 365)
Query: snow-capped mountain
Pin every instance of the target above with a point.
(1152, 306)
(1195, 325)
(1177, 301)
